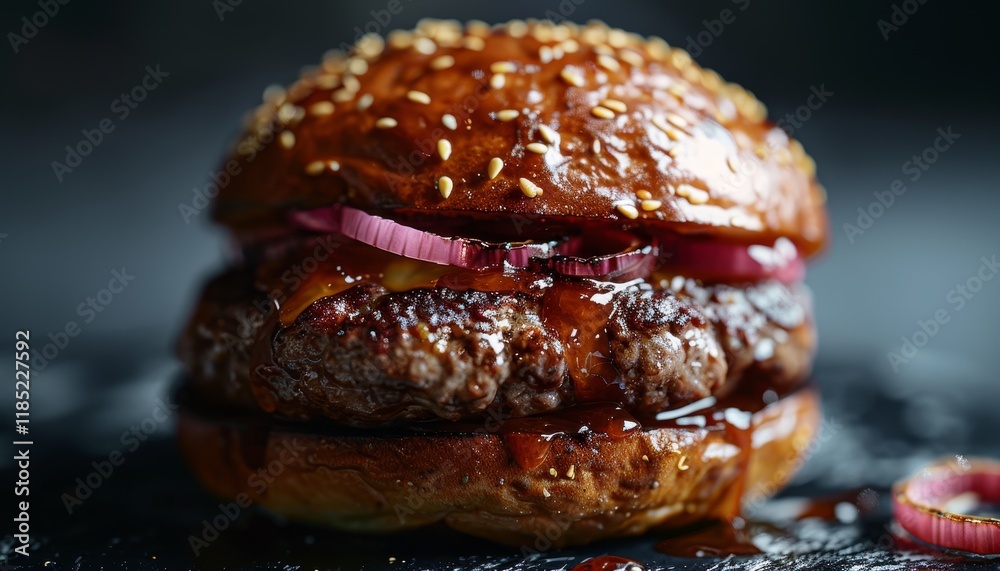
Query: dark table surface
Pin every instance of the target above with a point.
(142, 514)
(119, 210)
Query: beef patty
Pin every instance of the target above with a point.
(500, 344)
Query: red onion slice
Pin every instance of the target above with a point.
(724, 260)
(636, 260)
(711, 259)
(919, 505)
(410, 242)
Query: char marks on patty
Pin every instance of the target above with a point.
(368, 356)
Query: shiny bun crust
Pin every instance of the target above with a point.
(583, 490)
(527, 118)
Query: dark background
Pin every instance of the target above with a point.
(119, 208)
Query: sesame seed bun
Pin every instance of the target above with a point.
(526, 119)
(585, 487)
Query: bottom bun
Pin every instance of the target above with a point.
(535, 484)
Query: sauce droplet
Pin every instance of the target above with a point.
(716, 539)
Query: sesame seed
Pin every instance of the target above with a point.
(342, 95)
(273, 94)
(444, 149)
(326, 81)
(371, 45)
(609, 63)
(783, 155)
(733, 163)
(286, 113)
(630, 57)
(571, 76)
(546, 493)
(660, 124)
(542, 32)
(498, 80)
(545, 54)
(683, 465)
(418, 97)
(449, 121)
(351, 83)
(548, 134)
(314, 168)
(678, 90)
(596, 146)
(627, 210)
(517, 28)
(552, 471)
(760, 151)
(425, 46)
(529, 188)
(617, 37)
(646, 458)
(442, 62)
(496, 164)
(445, 185)
(676, 120)
(571, 473)
(643, 194)
(365, 101)
(357, 66)
(680, 59)
(386, 123)
(399, 39)
(692, 194)
(649, 205)
(570, 46)
(539, 148)
(503, 67)
(475, 43)
(602, 112)
(508, 114)
(287, 139)
(615, 105)
(334, 165)
(321, 108)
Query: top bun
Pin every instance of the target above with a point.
(586, 120)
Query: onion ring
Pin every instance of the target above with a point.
(635, 261)
(918, 505)
(391, 236)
